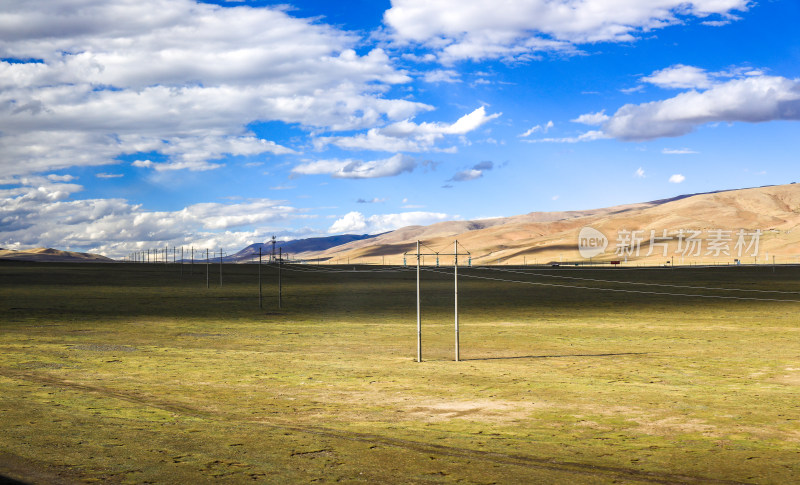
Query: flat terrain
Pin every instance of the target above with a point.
(140, 374)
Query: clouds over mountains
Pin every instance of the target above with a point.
(178, 98)
(41, 213)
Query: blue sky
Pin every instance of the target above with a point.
(139, 124)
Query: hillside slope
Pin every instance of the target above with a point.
(713, 220)
(50, 255)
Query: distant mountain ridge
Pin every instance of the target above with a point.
(544, 237)
(312, 244)
(50, 255)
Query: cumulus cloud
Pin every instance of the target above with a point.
(519, 29)
(594, 119)
(357, 169)
(677, 178)
(639, 173)
(752, 99)
(94, 79)
(41, 212)
(407, 136)
(680, 77)
(356, 222)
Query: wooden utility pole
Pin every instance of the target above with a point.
(419, 315)
(207, 284)
(455, 282)
(280, 286)
(260, 304)
(220, 267)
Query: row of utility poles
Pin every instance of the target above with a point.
(144, 257)
(151, 256)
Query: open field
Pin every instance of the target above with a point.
(138, 373)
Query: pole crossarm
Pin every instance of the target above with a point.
(437, 254)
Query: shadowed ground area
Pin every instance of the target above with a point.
(139, 373)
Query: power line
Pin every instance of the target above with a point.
(619, 290)
(637, 283)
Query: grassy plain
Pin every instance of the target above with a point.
(139, 374)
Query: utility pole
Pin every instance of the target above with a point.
(207, 286)
(280, 286)
(455, 282)
(419, 316)
(220, 267)
(272, 258)
(260, 305)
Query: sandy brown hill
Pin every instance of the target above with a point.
(51, 255)
(553, 236)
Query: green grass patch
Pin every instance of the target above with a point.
(139, 373)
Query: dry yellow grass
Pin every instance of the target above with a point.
(552, 237)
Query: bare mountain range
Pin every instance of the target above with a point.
(50, 255)
(752, 225)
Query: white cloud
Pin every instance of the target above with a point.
(588, 136)
(357, 169)
(61, 178)
(752, 99)
(593, 119)
(716, 23)
(177, 77)
(677, 178)
(639, 173)
(519, 29)
(441, 76)
(103, 175)
(538, 128)
(680, 77)
(464, 175)
(678, 151)
(356, 222)
(407, 136)
(40, 212)
(632, 90)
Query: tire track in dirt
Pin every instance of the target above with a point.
(519, 460)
